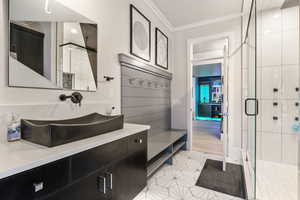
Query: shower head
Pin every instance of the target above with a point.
(290, 3)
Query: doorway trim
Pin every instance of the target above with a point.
(190, 63)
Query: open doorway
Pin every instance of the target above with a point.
(208, 99)
(207, 103)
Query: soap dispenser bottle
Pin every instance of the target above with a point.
(13, 129)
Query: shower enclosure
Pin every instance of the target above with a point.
(249, 94)
(270, 73)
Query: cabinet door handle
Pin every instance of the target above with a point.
(256, 106)
(296, 119)
(110, 175)
(102, 184)
(139, 141)
(38, 186)
(275, 118)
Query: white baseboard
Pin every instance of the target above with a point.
(234, 155)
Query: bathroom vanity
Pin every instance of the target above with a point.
(111, 166)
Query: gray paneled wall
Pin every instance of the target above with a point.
(146, 94)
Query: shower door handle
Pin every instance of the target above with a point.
(256, 106)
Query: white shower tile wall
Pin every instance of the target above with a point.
(278, 85)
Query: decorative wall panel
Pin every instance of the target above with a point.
(146, 94)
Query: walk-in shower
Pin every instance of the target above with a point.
(271, 96)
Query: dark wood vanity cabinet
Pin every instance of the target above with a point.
(131, 172)
(115, 171)
(35, 183)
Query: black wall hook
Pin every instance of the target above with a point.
(108, 78)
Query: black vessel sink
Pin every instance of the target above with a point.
(54, 133)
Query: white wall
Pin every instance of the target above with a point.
(179, 85)
(76, 60)
(21, 74)
(209, 55)
(113, 19)
(206, 70)
(48, 62)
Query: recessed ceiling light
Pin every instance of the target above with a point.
(74, 31)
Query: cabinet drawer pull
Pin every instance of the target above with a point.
(139, 141)
(38, 186)
(275, 90)
(275, 104)
(110, 180)
(275, 118)
(296, 119)
(102, 184)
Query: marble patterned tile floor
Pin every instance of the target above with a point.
(177, 181)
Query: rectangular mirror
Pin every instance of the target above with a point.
(51, 46)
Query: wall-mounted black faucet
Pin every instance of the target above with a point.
(76, 98)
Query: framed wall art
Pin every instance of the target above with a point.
(161, 49)
(140, 34)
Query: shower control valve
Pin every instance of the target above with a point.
(275, 118)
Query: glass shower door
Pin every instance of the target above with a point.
(250, 97)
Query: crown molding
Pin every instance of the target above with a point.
(160, 15)
(207, 22)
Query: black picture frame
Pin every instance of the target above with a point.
(158, 31)
(132, 9)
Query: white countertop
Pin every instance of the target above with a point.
(21, 156)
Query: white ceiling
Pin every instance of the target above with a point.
(269, 4)
(185, 12)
